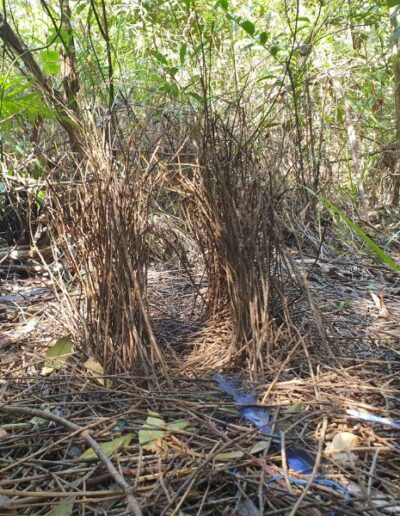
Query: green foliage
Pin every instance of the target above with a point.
(248, 27)
(58, 36)
(376, 250)
(18, 99)
(184, 54)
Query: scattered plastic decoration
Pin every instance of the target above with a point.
(326, 482)
(297, 460)
(366, 416)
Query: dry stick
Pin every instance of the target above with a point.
(119, 479)
(275, 380)
(372, 471)
(54, 494)
(284, 463)
(214, 451)
(315, 470)
(34, 454)
(303, 283)
(43, 476)
(84, 496)
(27, 498)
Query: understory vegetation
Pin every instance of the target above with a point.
(191, 187)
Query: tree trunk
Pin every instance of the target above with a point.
(42, 84)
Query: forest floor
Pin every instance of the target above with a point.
(212, 461)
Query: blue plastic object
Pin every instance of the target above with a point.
(319, 481)
(298, 460)
(358, 414)
(229, 387)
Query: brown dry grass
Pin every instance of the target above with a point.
(228, 200)
(213, 468)
(215, 197)
(103, 221)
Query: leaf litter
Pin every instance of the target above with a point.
(167, 438)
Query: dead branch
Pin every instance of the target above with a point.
(85, 434)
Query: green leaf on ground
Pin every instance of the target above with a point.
(97, 371)
(57, 355)
(151, 435)
(229, 410)
(65, 508)
(259, 446)
(179, 424)
(109, 447)
(38, 421)
(229, 455)
(295, 408)
(155, 429)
